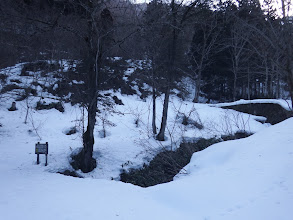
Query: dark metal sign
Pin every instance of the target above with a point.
(41, 149)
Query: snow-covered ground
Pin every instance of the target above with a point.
(286, 104)
(129, 140)
(243, 179)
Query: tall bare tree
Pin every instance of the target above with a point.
(178, 16)
(98, 36)
(203, 46)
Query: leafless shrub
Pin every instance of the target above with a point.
(230, 122)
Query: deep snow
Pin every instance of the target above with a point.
(249, 178)
(243, 179)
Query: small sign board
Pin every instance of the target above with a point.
(41, 149)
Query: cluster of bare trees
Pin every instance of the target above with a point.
(230, 49)
(237, 52)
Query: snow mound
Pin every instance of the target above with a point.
(243, 179)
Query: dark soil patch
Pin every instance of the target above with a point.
(273, 112)
(168, 164)
(77, 162)
(70, 173)
(39, 66)
(10, 87)
(188, 121)
(27, 92)
(117, 100)
(3, 77)
(15, 81)
(71, 131)
(237, 135)
(165, 165)
(57, 105)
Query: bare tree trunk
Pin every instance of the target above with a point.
(288, 47)
(248, 84)
(170, 73)
(88, 163)
(154, 127)
(234, 86)
(278, 84)
(161, 135)
(197, 87)
(266, 93)
(154, 113)
(290, 79)
(271, 90)
(235, 62)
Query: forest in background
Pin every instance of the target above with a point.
(228, 49)
(231, 50)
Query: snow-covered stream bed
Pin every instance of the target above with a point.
(249, 178)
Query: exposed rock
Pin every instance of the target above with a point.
(165, 165)
(117, 100)
(273, 112)
(57, 105)
(13, 107)
(70, 173)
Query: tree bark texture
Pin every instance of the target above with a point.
(154, 112)
(88, 162)
(161, 135)
(170, 73)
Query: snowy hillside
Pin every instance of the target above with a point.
(249, 178)
(243, 179)
(166, 110)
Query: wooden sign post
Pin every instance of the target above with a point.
(41, 149)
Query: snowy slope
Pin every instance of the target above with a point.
(244, 179)
(126, 143)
